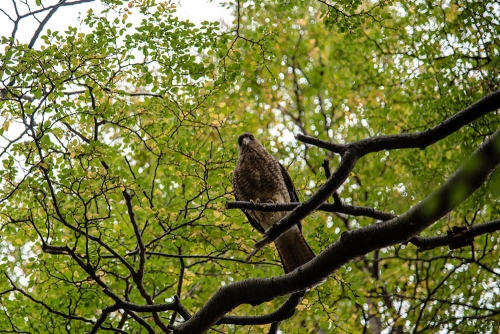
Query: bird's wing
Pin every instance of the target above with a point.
(289, 184)
(252, 221)
(291, 189)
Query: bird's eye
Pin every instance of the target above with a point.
(251, 137)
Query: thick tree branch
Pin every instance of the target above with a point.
(468, 178)
(457, 236)
(419, 140)
(352, 152)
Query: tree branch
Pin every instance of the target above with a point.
(337, 207)
(352, 152)
(457, 237)
(285, 311)
(139, 274)
(468, 178)
(419, 140)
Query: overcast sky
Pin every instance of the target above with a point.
(196, 11)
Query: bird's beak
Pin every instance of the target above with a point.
(246, 141)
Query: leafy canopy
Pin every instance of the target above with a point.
(118, 145)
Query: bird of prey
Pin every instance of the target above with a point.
(260, 178)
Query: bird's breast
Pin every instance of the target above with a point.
(259, 179)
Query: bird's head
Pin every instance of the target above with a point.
(247, 140)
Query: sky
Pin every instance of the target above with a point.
(195, 11)
(198, 11)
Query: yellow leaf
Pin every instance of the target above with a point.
(103, 171)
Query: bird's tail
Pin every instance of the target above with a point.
(293, 249)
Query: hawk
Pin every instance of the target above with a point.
(260, 178)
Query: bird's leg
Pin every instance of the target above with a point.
(256, 201)
(272, 201)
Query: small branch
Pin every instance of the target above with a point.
(179, 285)
(49, 249)
(43, 304)
(337, 207)
(142, 322)
(180, 309)
(82, 137)
(52, 10)
(285, 311)
(457, 237)
(194, 256)
(139, 274)
(102, 318)
(326, 167)
(337, 148)
(274, 328)
(140, 243)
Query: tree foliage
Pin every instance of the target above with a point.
(118, 141)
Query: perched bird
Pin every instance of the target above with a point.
(260, 178)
